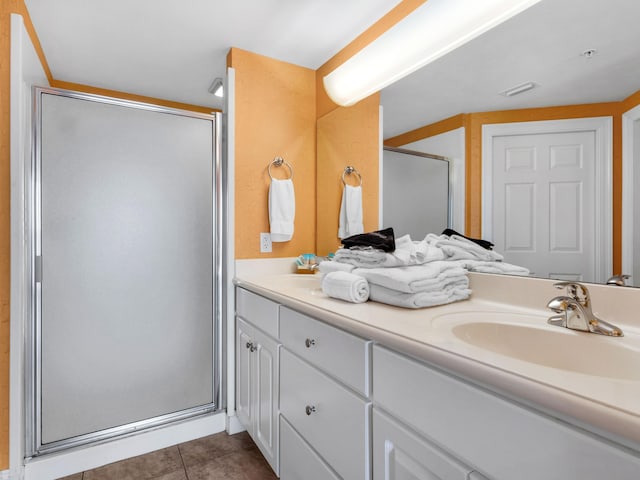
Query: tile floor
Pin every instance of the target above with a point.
(216, 457)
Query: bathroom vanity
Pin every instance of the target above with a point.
(329, 389)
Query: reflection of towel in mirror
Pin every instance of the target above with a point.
(459, 248)
(432, 276)
(282, 209)
(493, 267)
(449, 294)
(346, 286)
(350, 212)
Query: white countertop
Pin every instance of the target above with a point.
(603, 405)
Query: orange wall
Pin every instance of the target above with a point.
(347, 136)
(275, 116)
(473, 123)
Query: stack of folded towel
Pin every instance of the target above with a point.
(407, 253)
(417, 286)
(416, 274)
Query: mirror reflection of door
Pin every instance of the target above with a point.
(542, 188)
(635, 280)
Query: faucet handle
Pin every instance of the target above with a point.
(577, 291)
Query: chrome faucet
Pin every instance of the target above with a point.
(574, 311)
(618, 280)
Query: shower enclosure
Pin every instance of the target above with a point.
(125, 222)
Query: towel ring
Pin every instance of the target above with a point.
(278, 162)
(351, 170)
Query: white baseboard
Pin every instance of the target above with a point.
(52, 466)
(15, 474)
(234, 426)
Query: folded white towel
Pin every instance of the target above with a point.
(407, 252)
(429, 277)
(459, 248)
(494, 267)
(351, 212)
(452, 293)
(346, 286)
(282, 209)
(330, 266)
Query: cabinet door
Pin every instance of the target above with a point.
(244, 341)
(265, 397)
(332, 419)
(298, 460)
(400, 454)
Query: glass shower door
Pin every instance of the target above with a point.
(124, 285)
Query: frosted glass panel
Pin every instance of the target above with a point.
(127, 261)
(415, 196)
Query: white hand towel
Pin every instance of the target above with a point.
(416, 278)
(351, 212)
(282, 209)
(329, 266)
(346, 286)
(450, 294)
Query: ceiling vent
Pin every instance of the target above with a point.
(523, 87)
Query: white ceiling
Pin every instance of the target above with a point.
(173, 49)
(542, 45)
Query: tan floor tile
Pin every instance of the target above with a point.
(144, 467)
(245, 465)
(177, 475)
(203, 450)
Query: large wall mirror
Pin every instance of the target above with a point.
(582, 53)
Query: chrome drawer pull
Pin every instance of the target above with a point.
(310, 409)
(309, 342)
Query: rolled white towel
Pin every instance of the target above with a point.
(330, 266)
(415, 278)
(346, 286)
(450, 294)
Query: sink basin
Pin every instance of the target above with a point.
(528, 338)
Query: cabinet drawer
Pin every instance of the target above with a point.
(258, 311)
(398, 453)
(340, 354)
(495, 436)
(338, 428)
(298, 460)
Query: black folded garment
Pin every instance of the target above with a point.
(380, 239)
(486, 244)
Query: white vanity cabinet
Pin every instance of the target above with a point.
(257, 364)
(324, 380)
(496, 437)
(401, 454)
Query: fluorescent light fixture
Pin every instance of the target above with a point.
(431, 31)
(217, 87)
(523, 87)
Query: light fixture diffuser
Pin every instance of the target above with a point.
(431, 31)
(217, 87)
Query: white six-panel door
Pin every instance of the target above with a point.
(547, 204)
(543, 194)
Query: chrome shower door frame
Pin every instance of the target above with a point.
(33, 331)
